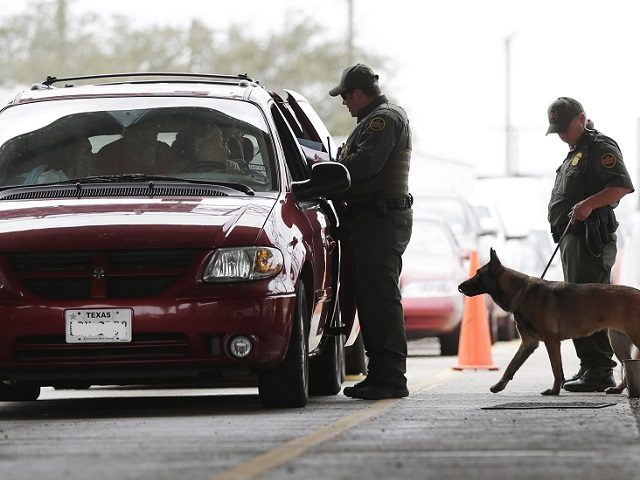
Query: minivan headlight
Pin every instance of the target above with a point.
(243, 263)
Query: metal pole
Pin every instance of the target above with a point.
(638, 156)
(350, 34)
(61, 32)
(510, 170)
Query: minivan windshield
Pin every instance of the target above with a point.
(196, 139)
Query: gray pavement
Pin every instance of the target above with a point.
(441, 431)
(444, 432)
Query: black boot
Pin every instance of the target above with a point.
(374, 389)
(577, 375)
(593, 380)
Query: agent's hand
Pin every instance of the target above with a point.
(320, 157)
(580, 211)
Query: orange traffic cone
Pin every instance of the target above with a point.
(474, 350)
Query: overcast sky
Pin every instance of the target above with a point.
(449, 59)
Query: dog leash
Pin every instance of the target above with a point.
(556, 250)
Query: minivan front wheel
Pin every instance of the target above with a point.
(287, 385)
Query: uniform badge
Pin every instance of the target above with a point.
(576, 158)
(608, 160)
(553, 116)
(377, 124)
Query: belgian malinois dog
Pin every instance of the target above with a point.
(550, 312)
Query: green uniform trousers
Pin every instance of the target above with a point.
(580, 266)
(379, 240)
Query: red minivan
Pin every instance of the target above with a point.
(169, 228)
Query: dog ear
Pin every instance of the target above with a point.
(495, 267)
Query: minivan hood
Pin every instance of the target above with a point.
(108, 223)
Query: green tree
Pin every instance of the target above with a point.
(49, 40)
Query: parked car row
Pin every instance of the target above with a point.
(472, 225)
(433, 267)
(626, 270)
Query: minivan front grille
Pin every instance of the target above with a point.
(60, 288)
(141, 347)
(83, 275)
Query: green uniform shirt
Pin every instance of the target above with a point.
(378, 151)
(593, 164)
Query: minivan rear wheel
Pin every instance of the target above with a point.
(449, 342)
(356, 357)
(326, 371)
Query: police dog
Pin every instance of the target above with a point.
(554, 311)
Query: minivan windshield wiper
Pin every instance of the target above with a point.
(140, 177)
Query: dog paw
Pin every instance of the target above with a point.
(617, 389)
(498, 387)
(551, 391)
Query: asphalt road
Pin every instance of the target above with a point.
(443, 430)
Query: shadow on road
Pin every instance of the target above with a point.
(137, 406)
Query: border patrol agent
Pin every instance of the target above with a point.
(589, 184)
(380, 219)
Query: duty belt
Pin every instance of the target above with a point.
(356, 208)
(575, 229)
(396, 203)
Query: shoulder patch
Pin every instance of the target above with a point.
(608, 160)
(377, 124)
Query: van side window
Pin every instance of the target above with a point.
(292, 151)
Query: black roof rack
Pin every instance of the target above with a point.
(139, 77)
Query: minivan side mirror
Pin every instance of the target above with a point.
(327, 179)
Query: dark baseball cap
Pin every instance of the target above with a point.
(561, 112)
(356, 76)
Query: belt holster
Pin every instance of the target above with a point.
(557, 231)
(598, 229)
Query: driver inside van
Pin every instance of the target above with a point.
(204, 149)
(138, 151)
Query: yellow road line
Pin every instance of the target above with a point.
(298, 446)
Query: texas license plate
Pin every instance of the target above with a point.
(106, 325)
